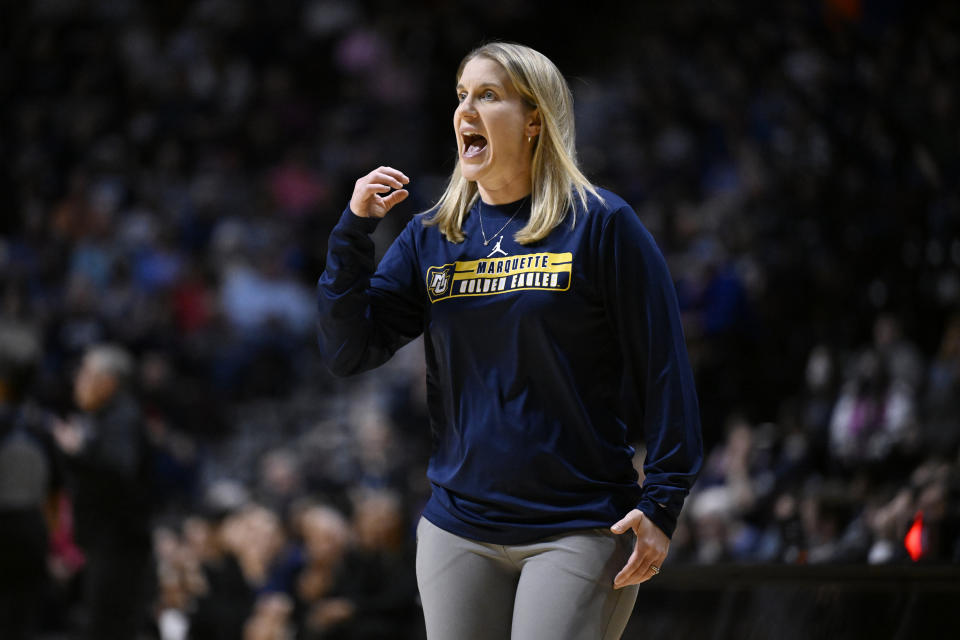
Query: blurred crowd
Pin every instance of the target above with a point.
(173, 170)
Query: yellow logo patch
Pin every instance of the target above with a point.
(491, 276)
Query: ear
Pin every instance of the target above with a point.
(532, 128)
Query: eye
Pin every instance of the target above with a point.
(461, 96)
(489, 95)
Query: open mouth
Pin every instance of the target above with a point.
(473, 144)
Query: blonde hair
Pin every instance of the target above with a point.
(555, 175)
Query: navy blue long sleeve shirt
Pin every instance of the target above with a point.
(528, 348)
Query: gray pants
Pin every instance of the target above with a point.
(558, 588)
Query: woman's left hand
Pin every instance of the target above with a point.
(648, 554)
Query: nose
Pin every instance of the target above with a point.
(466, 108)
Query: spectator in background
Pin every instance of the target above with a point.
(818, 399)
(225, 598)
(326, 535)
(308, 587)
(874, 414)
(935, 486)
(720, 325)
(107, 454)
(380, 457)
(29, 487)
(271, 619)
(942, 402)
(179, 580)
(279, 482)
(360, 591)
(379, 586)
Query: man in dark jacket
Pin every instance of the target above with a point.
(106, 452)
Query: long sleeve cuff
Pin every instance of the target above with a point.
(351, 221)
(665, 521)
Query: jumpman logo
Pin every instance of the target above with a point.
(496, 248)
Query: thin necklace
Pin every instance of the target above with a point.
(494, 236)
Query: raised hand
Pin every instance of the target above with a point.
(367, 201)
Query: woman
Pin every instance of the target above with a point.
(541, 298)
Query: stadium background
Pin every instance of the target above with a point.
(172, 170)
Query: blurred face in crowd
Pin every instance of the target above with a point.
(94, 385)
(325, 535)
(198, 537)
(378, 523)
(492, 123)
(279, 473)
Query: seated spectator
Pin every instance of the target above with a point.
(226, 599)
(873, 414)
(326, 536)
(309, 574)
(379, 585)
